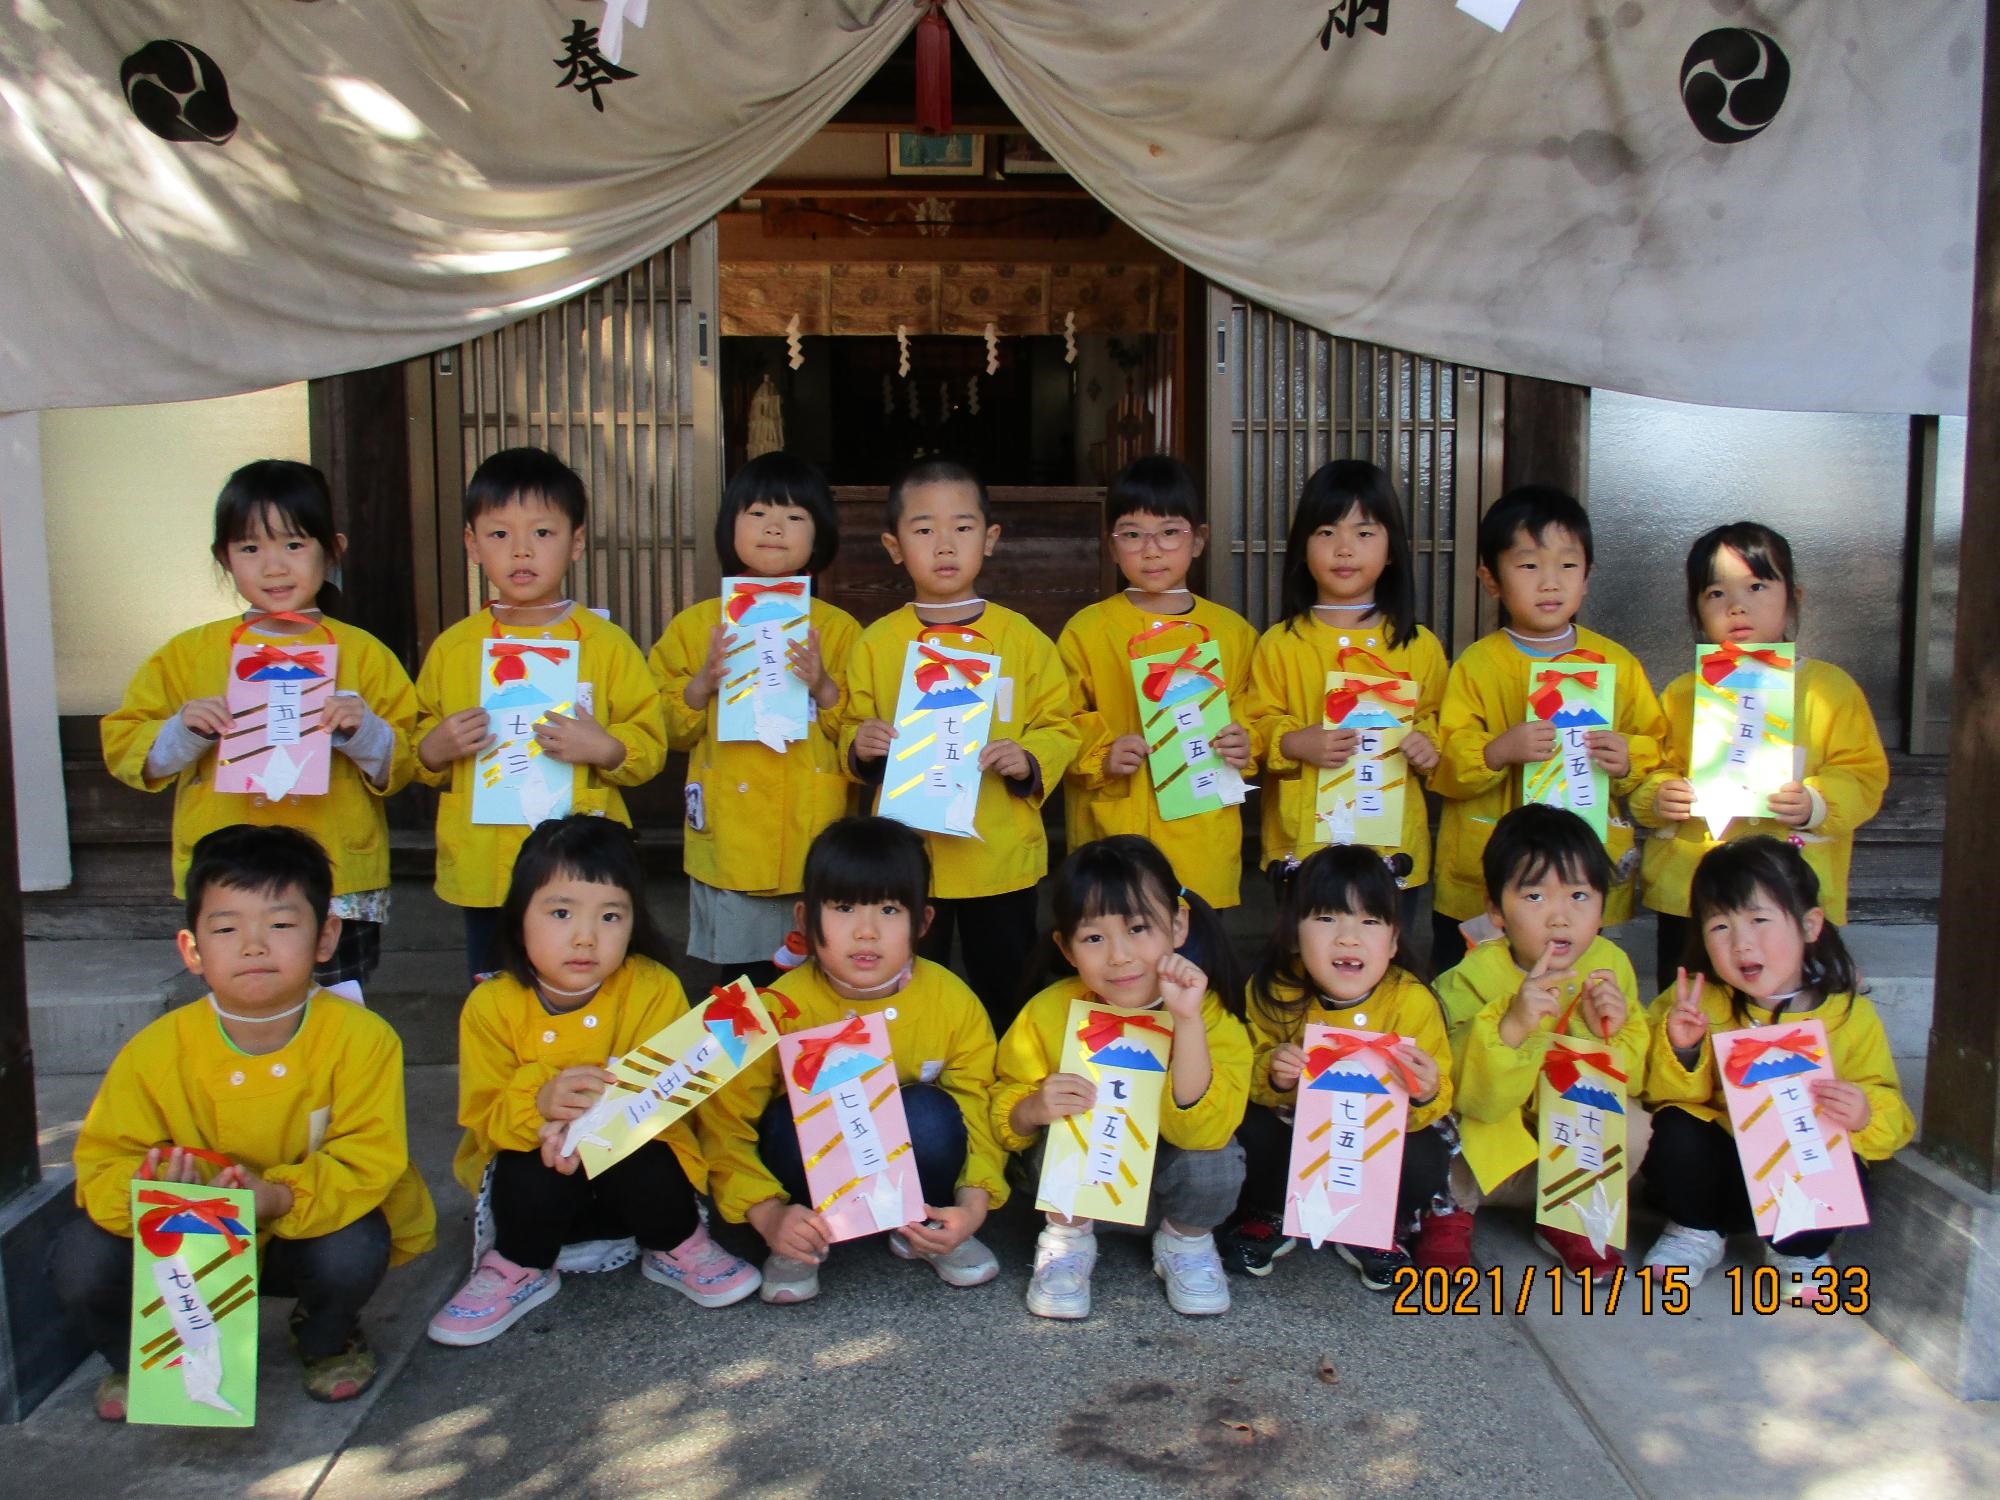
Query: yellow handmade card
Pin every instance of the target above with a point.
(1099, 1165)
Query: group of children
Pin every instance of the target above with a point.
(841, 916)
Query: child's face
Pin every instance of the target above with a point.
(1553, 914)
(276, 571)
(773, 539)
(1346, 953)
(256, 949)
(576, 932)
(942, 539)
(1155, 552)
(1739, 606)
(1118, 956)
(863, 945)
(1347, 557)
(1759, 950)
(1541, 582)
(524, 547)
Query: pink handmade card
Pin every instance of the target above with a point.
(1800, 1172)
(848, 1109)
(276, 696)
(1347, 1138)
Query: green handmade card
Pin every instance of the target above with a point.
(194, 1305)
(1183, 705)
(1577, 697)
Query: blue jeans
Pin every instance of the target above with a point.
(937, 1141)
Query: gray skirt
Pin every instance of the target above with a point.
(728, 927)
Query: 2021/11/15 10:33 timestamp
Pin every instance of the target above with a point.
(1760, 1290)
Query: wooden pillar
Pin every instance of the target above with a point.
(20, 1156)
(361, 440)
(1547, 435)
(1962, 1085)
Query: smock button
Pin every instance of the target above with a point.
(1360, 1019)
(742, 786)
(1371, 640)
(1345, 642)
(236, 1078)
(277, 1070)
(548, 1036)
(589, 1022)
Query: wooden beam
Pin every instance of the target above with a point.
(1962, 1083)
(20, 1155)
(1547, 434)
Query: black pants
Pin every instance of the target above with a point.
(482, 932)
(1694, 1176)
(332, 1276)
(356, 956)
(1447, 943)
(937, 1141)
(536, 1208)
(1266, 1138)
(1669, 948)
(995, 933)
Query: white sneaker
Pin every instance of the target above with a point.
(968, 1263)
(787, 1280)
(1695, 1251)
(1060, 1287)
(591, 1257)
(1192, 1270)
(1800, 1281)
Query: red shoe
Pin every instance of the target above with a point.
(1445, 1240)
(1574, 1251)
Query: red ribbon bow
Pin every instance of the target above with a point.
(1367, 659)
(214, 1212)
(1341, 1044)
(1340, 702)
(1548, 698)
(1562, 1066)
(746, 594)
(278, 656)
(813, 1051)
(1103, 1027)
(1746, 1052)
(732, 1006)
(1161, 673)
(1728, 656)
(936, 667)
(508, 666)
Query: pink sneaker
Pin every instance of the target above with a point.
(499, 1294)
(702, 1271)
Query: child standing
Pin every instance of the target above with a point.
(1350, 604)
(585, 980)
(1763, 952)
(300, 1092)
(1338, 958)
(1155, 517)
(524, 515)
(1741, 591)
(941, 529)
(274, 533)
(1549, 977)
(865, 907)
(1119, 917)
(1535, 558)
(752, 812)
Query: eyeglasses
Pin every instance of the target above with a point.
(1167, 539)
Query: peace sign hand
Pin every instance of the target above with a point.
(1687, 1026)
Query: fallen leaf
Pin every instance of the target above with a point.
(1328, 1375)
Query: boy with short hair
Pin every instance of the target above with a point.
(1550, 976)
(524, 518)
(941, 530)
(1535, 559)
(1155, 517)
(300, 1089)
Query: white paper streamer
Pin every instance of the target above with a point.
(794, 351)
(992, 349)
(1494, 13)
(903, 352)
(1069, 338)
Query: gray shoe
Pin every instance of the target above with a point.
(968, 1263)
(787, 1280)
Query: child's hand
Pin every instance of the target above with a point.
(871, 740)
(943, 1230)
(572, 1091)
(1604, 1008)
(1842, 1103)
(208, 717)
(1182, 987)
(1538, 999)
(1424, 1067)
(791, 1230)
(1791, 804)
(1127, 753)
(552, 1152)
(1609, 752)
(456, 736)
(579, 740)
(1687, 1024)
(704, 684)
(1233, 745)
(1329, 749)
(810, 668)
(273, 1199)
(1675, 803)
(1420, 751)
(1522, 745)
(1285, 1064)
(1007, 759)
(343, 714)
(174, 1165)
(1062, 1095)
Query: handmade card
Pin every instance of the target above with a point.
(1581, 1170)
(1347, 1138)
(1576, 697)
(1742, 748)
(1800, 1173)
(944, 718)
(1183, 705)
(762, 698)
(670, 1073)
(194, 1305)
(519, 683)
(853, 1135)
(1099, 1165)
(1362, 801)
(276, 696)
